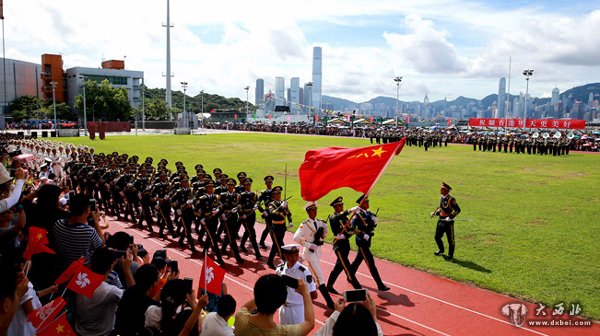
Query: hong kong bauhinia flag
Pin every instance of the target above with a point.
(41, 317)
(85, 282)
(211, 277)
(68, 273)
(327, 169)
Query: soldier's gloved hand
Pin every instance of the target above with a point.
(203, 221)
(156, 206)
(284, 204)
(433, 214)
(223, 217)
(234, 210)
(265, 214)
(178, 212)
(214, 212)
(122, 194)
(448, 219)
(291, 224)
(366, 236)
(374, 220)
(355, 209)
(340, 236)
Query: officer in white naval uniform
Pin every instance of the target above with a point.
(311, 235)
(292, 311)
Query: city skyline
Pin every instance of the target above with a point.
(442, 49)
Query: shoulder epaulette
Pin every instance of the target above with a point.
(301, 268)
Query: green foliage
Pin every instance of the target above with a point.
(194, 104)
(27, 104)
(528, 222)
(104, 102)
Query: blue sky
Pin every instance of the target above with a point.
(442, 48)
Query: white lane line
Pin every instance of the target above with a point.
(439, 300)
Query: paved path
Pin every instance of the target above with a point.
(418, 303)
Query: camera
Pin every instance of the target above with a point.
(356, 295)
(92, 205)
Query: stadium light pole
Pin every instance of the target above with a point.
(310, 107)
(247, 88)
(527, 73)
(184, 86)
(53, 85)
(84, 107)
(398, 79)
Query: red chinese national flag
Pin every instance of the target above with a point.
(85, 282)
(44, 315)
(59, 327)
(68, 273)
(211, 277)
(37, 243)
(327, 169)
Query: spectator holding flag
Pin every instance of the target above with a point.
(96, 315)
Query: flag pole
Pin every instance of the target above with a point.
(400, 145)
(205, 275)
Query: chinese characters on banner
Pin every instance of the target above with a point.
(531, 123)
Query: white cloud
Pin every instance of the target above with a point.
(442, 48)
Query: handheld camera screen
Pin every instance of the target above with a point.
(356, 295)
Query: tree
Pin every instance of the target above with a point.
(104, 102)
(24, 107)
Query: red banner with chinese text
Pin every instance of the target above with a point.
(531, 123)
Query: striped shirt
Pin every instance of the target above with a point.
(72, 241)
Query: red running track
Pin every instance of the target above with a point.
(418, 303)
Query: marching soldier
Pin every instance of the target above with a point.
(340, 226)
(447, 210)
(208, 209)
(141, 184)
(160, 195)
(266, 196)
(248, 201)
(311, 235)
(230, 219)
(363, 224)
(183, 205)
(278, 212)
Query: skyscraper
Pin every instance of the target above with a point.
(294, 96)
(555, 95)
(279, 91)
(501, 99)
(317, 77)
(259, 92)
(307, 96)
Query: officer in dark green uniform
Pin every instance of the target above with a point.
(265, 197)
(340, 226)
(278, 213)
(446, 212)
(363, 224)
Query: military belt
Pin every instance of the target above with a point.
(278, 222)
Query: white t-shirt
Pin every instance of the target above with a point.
(153, 316)
(215, 325)
(20, 325)
(96, 316)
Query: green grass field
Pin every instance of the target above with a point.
(528, 223)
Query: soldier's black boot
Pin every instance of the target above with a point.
(326, 296)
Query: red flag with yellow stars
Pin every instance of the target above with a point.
(327, 169)
(37, 243)
(60, 327)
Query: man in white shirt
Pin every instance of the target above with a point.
(215, 323)
(292, 312)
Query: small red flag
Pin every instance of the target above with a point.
(85, 282)
(212, 275)
(59, 327)
(449, 122)
(44, 315)
(68, 273)
(371, 119)
(317, 118)
(327, 169)
(37, 243)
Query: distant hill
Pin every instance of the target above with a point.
(582, 93)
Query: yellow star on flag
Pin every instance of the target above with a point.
(378, 152)
(39, 236)
(60, 328)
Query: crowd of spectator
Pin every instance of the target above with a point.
(141, 293)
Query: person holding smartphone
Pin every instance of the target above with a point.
(356, 318)
(292, 312)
